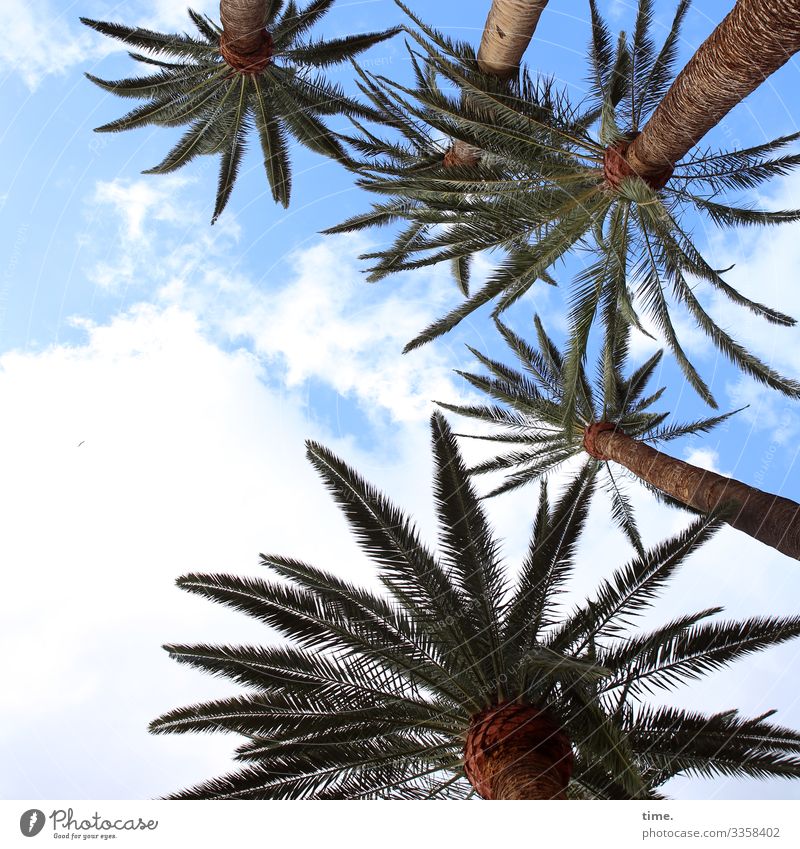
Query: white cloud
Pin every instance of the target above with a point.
(143, 454)
(311, 314)
(135, 201)
(326, 324)
(703, 458)
(41, 39)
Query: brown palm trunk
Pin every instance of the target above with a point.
(516, 751)
(506, 34)
(768, 518)
(755, 39)
(245, 44)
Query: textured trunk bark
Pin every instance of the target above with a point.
(245, 44)
(770, 519)
(516, 751)
(755, 39)
(506, 34)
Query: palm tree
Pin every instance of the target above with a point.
(611, 425)
(755, 39)
(506, 35)
(560, 191)
(256, 71)
(452, 682)
(507, 32)
(423, 154)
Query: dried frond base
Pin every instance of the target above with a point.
(517, 751)
(616, 167)
(247, 63)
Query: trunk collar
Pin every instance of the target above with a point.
(590, 433)
(461, 155)
(247, 63)
(616, 166)
(510, 736)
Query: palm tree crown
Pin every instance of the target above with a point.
(545, 434)
(454, 681)
(222, 95)
(425, 155)
(607, 421)
(565, 186)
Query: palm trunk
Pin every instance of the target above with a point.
(506, 34)
(516, 751)
(768, 518)
(245, 44)
(755, 39)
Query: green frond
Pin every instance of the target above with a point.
(675, 431)
(622, 511)
(202, 137)
(206, 27)
(387, 536)
(443, 325)
(548, 563)
(272, 137)
(319, 772)
(676, 741)
(729, 216)
(741, 158)
(653, 80)
(232, 153)
(601, 54)
(380, 215)
(295, 22)
(155, 42)
(663, 660)
(603, 741)
(468, 548)
(169, 83)
(331, 52)
(304, 126)
(632, 589)
(459, 50)
(174, 109)
(460, 265)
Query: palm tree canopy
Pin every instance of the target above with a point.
(542, 431)
(377, 691)
(423, 153)
(222, 95)
(561, 188)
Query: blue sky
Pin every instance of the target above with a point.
(191, 362)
